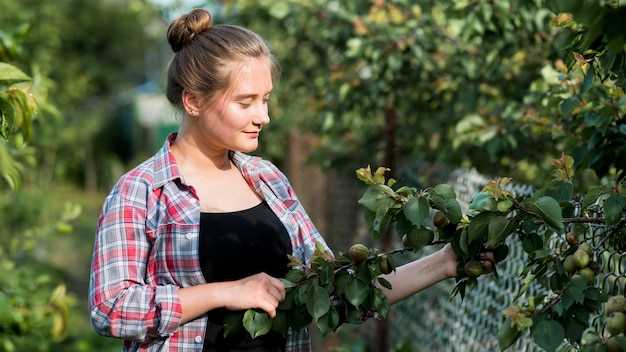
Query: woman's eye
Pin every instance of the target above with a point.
(244, 105)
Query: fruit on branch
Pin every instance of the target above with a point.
(616, 304)
(473, 268)
(570, 265)
(616, 323)
(582, 258)
(385, 264)
(588, 274)
(358, 253)
(586, 247)
(440, 219)
(571, 238)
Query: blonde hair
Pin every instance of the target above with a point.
(204, 52)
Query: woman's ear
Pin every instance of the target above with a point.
(191, 103)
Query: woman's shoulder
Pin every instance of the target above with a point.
(136, 182)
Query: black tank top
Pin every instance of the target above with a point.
(235, 245)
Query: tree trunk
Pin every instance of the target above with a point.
(391, 121)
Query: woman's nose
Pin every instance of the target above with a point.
(262, 117)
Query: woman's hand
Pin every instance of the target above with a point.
(256, 291)
(487, 260)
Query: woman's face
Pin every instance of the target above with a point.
(233, 119)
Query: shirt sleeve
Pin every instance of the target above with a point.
(121, 304)
(309, 236)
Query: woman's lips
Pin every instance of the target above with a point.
(252, 134)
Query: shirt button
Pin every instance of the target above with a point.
(189, 236)
(198, 339)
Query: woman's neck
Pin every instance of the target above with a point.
(191, 152)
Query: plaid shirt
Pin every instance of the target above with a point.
(146, 247)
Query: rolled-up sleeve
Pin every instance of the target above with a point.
(121, 303)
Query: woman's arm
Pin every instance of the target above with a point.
(417, 275)
(256, 291)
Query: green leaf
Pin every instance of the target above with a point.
(497, 230)
(550, 212)
(342, 279)
(507, 335)
(576, 288)
(384, 283)
(562, 191)
(613, 208)
(453, 211)
(482, 201)
(381, 304)
(478, 227)
(256, 323)
(417, 211)
(329, 322)
(295, 275)
(548, 334)
(444, 190)
(12, 73)
(356, 292)
(568, 105)
(376, 197)
(287, 283)
(318, 301)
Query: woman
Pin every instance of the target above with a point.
(201, 228)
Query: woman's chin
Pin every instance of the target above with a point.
(247, 147)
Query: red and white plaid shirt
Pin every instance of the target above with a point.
(146, 247)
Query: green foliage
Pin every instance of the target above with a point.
(495, 214)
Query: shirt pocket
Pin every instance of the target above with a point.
(176, 251)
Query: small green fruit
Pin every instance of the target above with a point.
(582, 258)
(590, 336)
(473, 268)
(616, 304)
(385, 264)
(569, 264)
(616, 323)
(586, 247)
(440, 219)
(358, 253)
(588, 274)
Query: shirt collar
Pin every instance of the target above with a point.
(166, 168)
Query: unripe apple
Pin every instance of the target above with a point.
(616, 323)
(473, 268)
(615, 304)
(358, 253)
(586, 247)
(385, 264)
(588, 274)
(440, 219)
(569, 264)
(582, 258)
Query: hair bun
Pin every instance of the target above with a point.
(183, 29)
